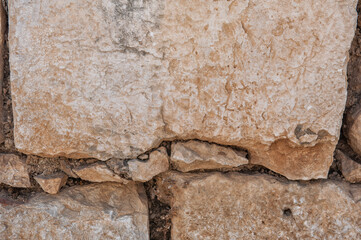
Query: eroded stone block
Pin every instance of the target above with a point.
(118, 77)
(97, 211)
(238, 206)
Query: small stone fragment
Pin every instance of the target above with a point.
(95, 211)
(14, 171)
(98, 172)
(65, 167)
(196, 155)
(51, 183)
(354, 131)
(351, 170)
(356, 192)
(144, 171)
(143, 157)
(240, 206)
(119, 167)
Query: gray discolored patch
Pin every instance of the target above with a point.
(132, 22)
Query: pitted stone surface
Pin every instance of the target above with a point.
(118, 77)
(237, 206)
(97, 211)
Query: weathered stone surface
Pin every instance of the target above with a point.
(66, 167)
(98, 172)
(97, 211)
(267, 76)
(144, 171)
(237, 206)
(51, 183)
(356, 192)
(196, 155)
(354, 130)
(351, 169)
(14, 171)
(2, 39)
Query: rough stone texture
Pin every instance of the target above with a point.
(98, 172)
(144, 171)
(356, 192)
(14, 171)
(196, 155)
(66, 167)
(351, 169)
(97, 211)
(51, 183)
(267, 76)
(2, 39)
(354, 130)
(237, 206)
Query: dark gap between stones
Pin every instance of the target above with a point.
(159, 214)
(353, 102)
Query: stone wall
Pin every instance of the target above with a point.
(153, 119)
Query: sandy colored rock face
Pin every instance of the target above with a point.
(351, 169)
(236, 206)
(14, 171)
(196, 155)
(144, 171)
(98, 172)
(98, 211)
(51, 183)
(118, 77)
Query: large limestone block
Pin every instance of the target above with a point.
(237, 206)
(98, 211)
(114, 78)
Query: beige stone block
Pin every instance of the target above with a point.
(239, 206)
(114, 79)
(96, 211)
